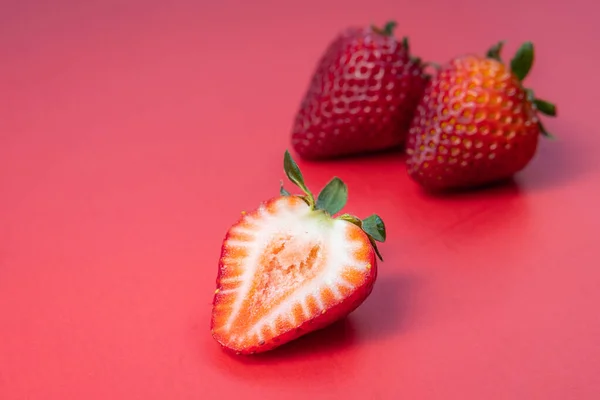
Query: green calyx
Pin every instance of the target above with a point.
(545, 107)
(406, 46)
(387, 30)
(373, 226)
(331, 200)
(520, 66)
(495, 50)
(521, 63)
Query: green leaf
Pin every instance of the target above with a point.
(373, 220)
(405, 44)
(282, 190)
(544, 132)
(387, 30)
(495, 50)
(389, 27)
(333, 197)
(521, 64)
(374, 227)
(351, 218)
(293, 173)
(375, 248)
(545, 107)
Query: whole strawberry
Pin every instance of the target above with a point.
(361, 97)
(476, 123)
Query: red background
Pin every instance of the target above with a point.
(133, 134)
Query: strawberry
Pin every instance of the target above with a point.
(361, 97)
(289, 267)
(476, 123)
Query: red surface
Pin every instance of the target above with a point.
(133, 135)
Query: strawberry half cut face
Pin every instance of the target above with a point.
(289, 268)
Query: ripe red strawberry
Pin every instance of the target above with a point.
(361, 97)
(289, 267)
(476, 123)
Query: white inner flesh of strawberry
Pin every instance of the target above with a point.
(282, 235)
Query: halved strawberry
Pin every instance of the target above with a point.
(289, 267)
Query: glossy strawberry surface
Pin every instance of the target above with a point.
(475, 124)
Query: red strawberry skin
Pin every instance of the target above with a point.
(361, 97)
(474, 125)
(284, 331)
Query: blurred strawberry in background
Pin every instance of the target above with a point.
(361, 97)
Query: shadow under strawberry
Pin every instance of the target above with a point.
(390, 308)
(373, 156)
(325, 347)
(559, 162)
(503, 187)
(386, 312)
(326, 341)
